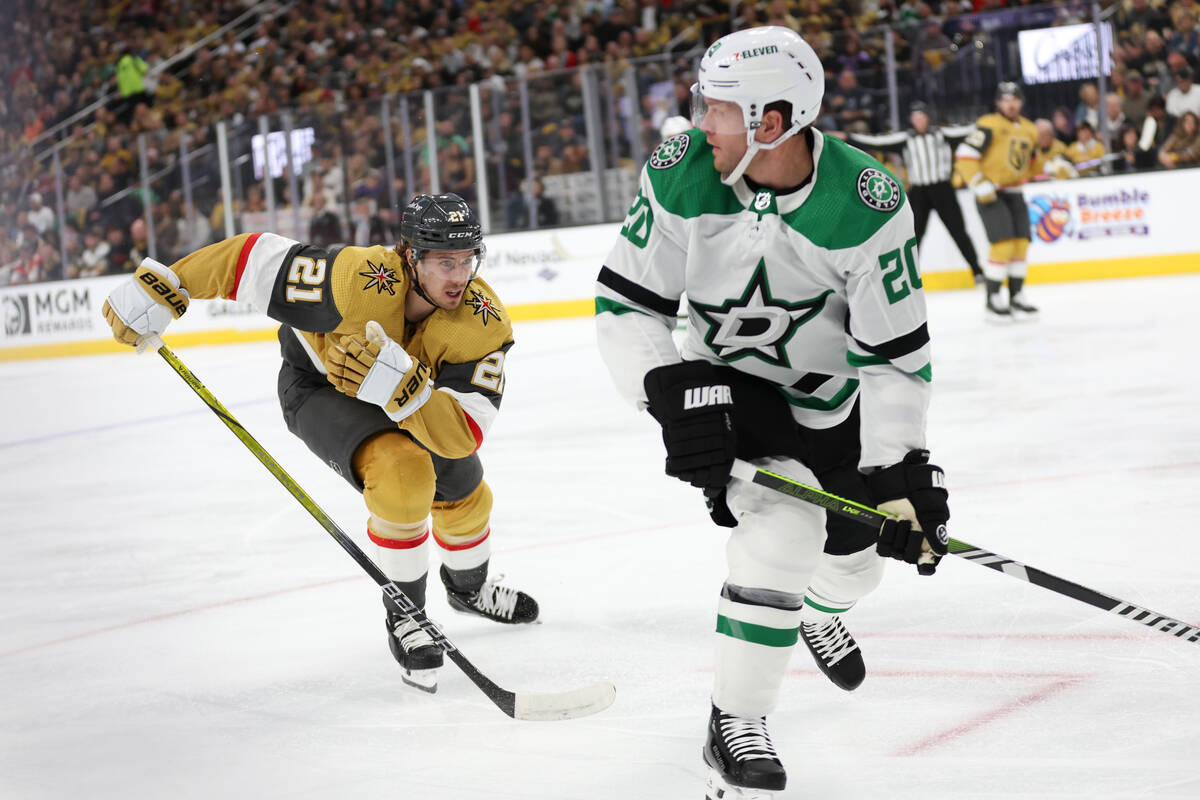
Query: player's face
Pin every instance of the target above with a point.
(445, 274)
(724, 129)
(1009, 106)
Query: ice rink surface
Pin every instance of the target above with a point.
(174, 624)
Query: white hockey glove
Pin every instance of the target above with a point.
(145, 304)
(985, 190)
(380, 371)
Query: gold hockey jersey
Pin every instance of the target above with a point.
(1052, 160)
(999, 148)
(1086, 157)
(324, 295)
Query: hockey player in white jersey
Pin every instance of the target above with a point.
(806, 352)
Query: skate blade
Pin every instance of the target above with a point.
(718, 789)
(423, 679)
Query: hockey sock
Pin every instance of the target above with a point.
(994, 286)
(1014, 285)
(413, 590)
(465, 581)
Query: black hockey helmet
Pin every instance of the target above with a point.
(440, 222)
(919, 105)
(434, 222)
(1009, 89)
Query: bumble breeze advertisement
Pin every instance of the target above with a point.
(1105, 219)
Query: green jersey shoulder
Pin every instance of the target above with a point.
(684, 181)
(852, 188)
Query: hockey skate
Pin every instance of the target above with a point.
(492, 601)
(742, 762)
(995, 310)
(414, 651)
(1021, 309)
(835, 651)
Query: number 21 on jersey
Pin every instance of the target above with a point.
(304, 280)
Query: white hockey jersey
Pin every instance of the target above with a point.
(817, 291)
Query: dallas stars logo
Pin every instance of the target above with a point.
(878, 190)
(484, 306)
(670, 152)
(381, 279)
(756, 324)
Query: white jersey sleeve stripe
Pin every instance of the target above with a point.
(262, 256)
(475, 406)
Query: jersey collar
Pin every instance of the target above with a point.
(786, 203)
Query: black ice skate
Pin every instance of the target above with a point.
(835, 651)
(996, 310)
(415, 651)
(492, 600)
(1021, 308)
(741, 760)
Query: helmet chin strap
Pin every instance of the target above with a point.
(752, 148)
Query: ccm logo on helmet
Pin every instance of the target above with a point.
(460, 235)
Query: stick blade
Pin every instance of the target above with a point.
(565, 705)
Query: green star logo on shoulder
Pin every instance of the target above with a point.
(670, 152)
(756, 324)
(878, 189)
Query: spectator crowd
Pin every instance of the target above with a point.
(150, 99)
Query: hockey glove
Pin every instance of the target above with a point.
(693, 405)
(913, 491)
(985, 190)
(145, 304)
(380, 371)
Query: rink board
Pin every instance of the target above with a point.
(1101, 228)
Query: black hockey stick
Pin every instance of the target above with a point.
(518, 705)
(873, 518)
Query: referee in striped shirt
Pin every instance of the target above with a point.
(928, 152)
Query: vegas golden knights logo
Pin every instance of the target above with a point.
(1019, 152)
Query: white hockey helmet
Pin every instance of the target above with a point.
(754, 68)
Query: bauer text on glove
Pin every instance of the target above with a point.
(145, 304)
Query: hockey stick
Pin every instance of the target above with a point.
(523, 705)
(873, 518)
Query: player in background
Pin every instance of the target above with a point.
(393, 371)
(806, 351)
(994, 160)
(928, 153)
(1050, 158)
(1087, 151)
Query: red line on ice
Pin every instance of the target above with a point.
(173, 614)
(980, 720)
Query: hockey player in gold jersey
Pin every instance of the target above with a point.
(1050, 158)
(393, 371)
(994, 160)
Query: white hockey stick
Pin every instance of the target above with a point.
(518, 705)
